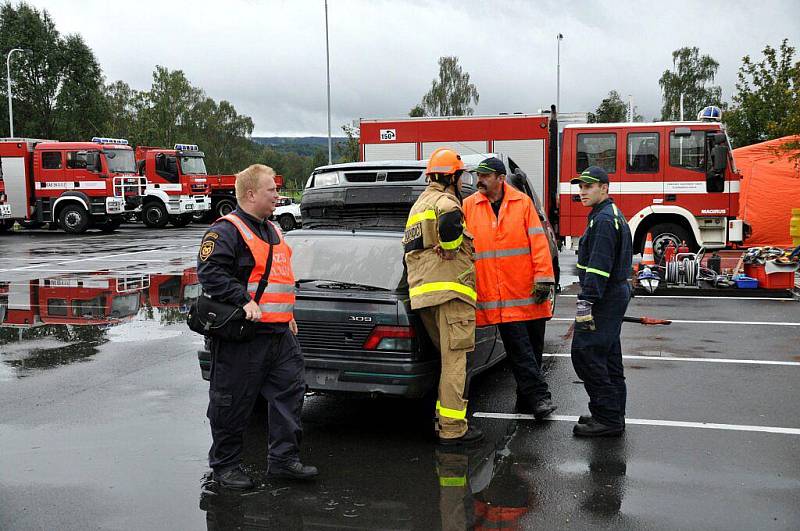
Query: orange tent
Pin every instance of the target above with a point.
(770, 189)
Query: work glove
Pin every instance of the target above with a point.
(583, 316)
(542, 291)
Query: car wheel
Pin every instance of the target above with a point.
(155, 215)
(663, 234)
(225, 207)
(74, 219)
(287, 222)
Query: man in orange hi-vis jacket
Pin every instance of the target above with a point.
(515, 278)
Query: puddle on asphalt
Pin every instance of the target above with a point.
(57, 320)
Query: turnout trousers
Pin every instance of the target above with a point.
(271, 365)
(451, 327)
(597, 356)
(524, 342)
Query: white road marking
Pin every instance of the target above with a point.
(682, 321)
(718, 298)
(651, 422)
(706, 360)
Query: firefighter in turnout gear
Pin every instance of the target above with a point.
(441, 281)
(604, 267)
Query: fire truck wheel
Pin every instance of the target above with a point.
(74, 219)
(155, 215)
(180, 221)
(203, 216)
(225, 207)
(287, 222)
(663, 233)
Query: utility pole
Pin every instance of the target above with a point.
(328, 65)
(558, 73)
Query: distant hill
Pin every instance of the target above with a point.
(302, 145)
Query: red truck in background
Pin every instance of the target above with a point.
(177, 184)
(76, 185)
(674, 179)
(174, 291)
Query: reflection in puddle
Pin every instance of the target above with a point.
(62, 319)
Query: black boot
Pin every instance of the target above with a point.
(585, 419)
(296, 470)
(472, 436)
(592, 428)
(543, 408)
(235, 478)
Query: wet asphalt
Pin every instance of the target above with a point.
(102, 425)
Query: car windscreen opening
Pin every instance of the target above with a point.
(346, 257)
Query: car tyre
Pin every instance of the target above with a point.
(225, 207)
(287, 222)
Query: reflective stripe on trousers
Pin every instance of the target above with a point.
(451, 413)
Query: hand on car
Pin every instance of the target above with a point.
(583, 316)
(251, 311)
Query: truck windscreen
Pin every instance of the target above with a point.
(193, 166)
(120, 160)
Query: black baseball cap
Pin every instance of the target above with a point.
(592, 174)
(491, 165)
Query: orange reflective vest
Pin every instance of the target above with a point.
(512, 253)
(277, 301)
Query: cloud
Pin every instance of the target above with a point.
(268, 57)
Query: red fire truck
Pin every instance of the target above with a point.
(174, 291)
(74, 184)
(177, 184)
(662, 174)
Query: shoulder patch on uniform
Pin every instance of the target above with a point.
(206, 248)
(211, 236)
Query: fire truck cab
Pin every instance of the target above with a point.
(676, 180)
(177, 184)
(74, 184)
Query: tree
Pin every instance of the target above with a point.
(767, 102)
(691, 76)
(611, 109)
(451, 94)
(58, 86)
(351, 150)
(417, 111)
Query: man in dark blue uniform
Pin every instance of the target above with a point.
(604, 267)
(271, 364)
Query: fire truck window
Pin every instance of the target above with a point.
(76, 160)
(597, 149)
(57, 307)
(51, 160)
(89, 308)
(688, 151)
(642, 153)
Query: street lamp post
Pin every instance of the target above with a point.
(328, 66)
(558, 72)
(8, 79)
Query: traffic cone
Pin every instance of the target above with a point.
(647, 257)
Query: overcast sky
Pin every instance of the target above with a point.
(267, 57)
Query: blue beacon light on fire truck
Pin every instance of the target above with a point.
(104, 140)
(186, 147)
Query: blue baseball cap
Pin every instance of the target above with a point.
(592, 174)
